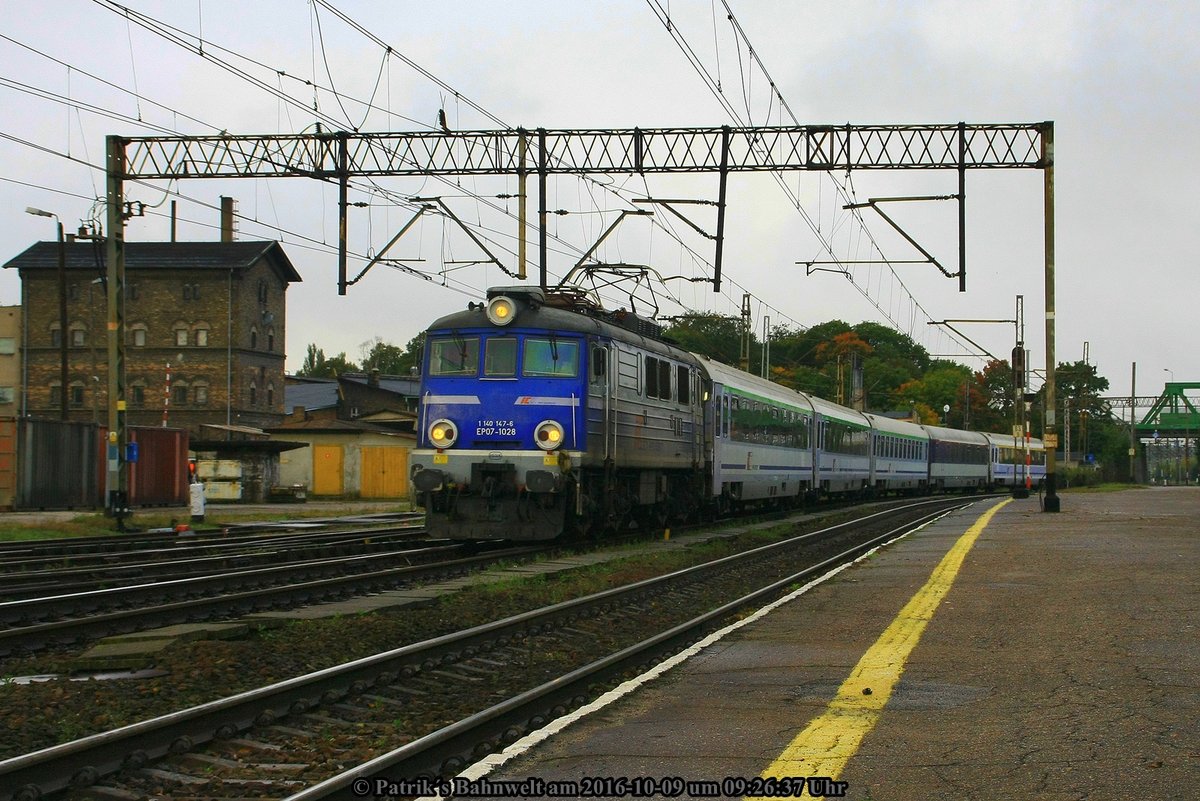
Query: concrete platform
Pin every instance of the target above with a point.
(1060, 661)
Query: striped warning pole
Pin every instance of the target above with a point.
(167, 396)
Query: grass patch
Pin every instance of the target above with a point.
(1109, 487)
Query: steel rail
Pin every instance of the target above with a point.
(37, 636)
(118, 545)
(81, 762)
(180, 565)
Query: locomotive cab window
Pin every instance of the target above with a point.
(454, 356)
(500, 357)
(551, 357)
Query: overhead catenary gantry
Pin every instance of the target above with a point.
(339, 156)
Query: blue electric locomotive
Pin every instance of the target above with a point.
(539, 414)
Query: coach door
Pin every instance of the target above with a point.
(601, 417)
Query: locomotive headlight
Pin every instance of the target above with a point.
(501, 310)
(443, 433)
(548, 435)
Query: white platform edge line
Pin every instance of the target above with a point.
(490, 763)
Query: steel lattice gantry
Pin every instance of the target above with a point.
(339, 156)
(615, 151)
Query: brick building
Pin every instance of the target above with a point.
(213, 311)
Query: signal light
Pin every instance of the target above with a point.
(443, 433)
(501, 310)
(548, 435)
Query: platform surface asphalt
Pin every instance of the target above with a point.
(1060, 661)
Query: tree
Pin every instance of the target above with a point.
(716, 336)
(382, 356)
(316, 365)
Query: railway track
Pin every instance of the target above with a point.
(70, 565)
(37, 623)
(444, 701)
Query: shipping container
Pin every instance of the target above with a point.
(58, 465)
(159, 477)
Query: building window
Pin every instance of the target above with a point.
(191, 292)
(139, 337)
(271, 396)
(55, 337)
(78, 337)
(271, 339)
(181, 336)
(179, 394)
(253, 394)
(137, 395)
(55, 395)
(253, 338)
(73, 292)
(200, 395)
(202, 337)
(8, 346)
(131, 291)
(7, 394)
(262, 291)
(77, 396)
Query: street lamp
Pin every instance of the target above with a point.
(1170, 372)
(62, 304)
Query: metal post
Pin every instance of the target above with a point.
(962, 207)
(62, 319)
(1051, 502)
(343, 206)
(1133, 425)
(118, 468)
(542, 245)
(522, 181)
(724, 181)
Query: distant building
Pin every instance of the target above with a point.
(360, 430)
(10, 360)
(204, 332)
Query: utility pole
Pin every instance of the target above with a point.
(1051, 503)
(1133, 424)
(117, 496)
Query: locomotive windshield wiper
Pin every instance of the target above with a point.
(553, 348)
(462, 348)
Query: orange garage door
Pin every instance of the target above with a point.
(384, 472)
(327, 470)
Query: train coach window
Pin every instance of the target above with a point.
(683, 380)
(454, 356)
(500, 357)
(551, 357)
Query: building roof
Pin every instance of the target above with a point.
(159, 256)
(408, 386)
(311, 395)
(337, 427)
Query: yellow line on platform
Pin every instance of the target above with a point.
(824, 747)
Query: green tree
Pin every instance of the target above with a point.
(716, 336)
(316, 365)
(382, 356)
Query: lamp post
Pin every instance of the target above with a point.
(1173, 443)
(62, 305)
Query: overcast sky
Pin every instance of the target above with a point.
(1119, 80)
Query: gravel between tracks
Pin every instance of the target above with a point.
(41, 714)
